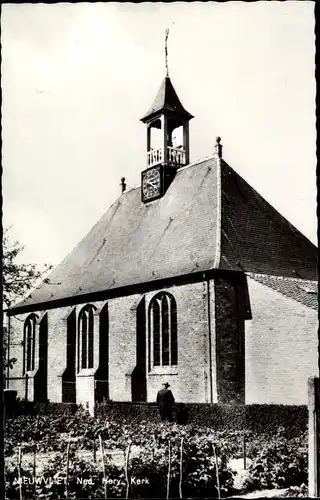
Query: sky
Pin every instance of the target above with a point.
(77, 78)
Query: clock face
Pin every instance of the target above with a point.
(151, 183)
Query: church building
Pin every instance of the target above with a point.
(192, 279)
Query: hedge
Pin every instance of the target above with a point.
(255, 418)
(55, 409)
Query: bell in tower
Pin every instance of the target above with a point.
(167, 124)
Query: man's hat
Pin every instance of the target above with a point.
(166, 384)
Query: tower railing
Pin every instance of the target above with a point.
(175, 156)
(154, 157)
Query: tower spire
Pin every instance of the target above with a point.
(168, 150)
(166, 51)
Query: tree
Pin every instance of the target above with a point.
(17, 281)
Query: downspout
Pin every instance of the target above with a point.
(209, 342)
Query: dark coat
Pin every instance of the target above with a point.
(165, 399)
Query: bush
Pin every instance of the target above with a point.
(150, 467)
(278, 459)
(296, 492)
(85, 480)
(45, 430)
(12, 488)
(199, 473)
(280, 464)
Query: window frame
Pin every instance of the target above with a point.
(29, 343)
(163, 332)
(85, 338)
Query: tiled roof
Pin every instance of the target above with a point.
(303, 291)
(208, 219)
(136, 242)
(257, 238)
(167, 100)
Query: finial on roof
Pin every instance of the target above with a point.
(123, 184)
(166, 51)
(218, 148)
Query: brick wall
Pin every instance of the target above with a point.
(122, 345)
(16, 351)
(281, 348)
(190, 381)
(85, 378)
(57, 350)
(230, 339)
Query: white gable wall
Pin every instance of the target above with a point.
(281, 347)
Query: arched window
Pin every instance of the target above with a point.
(29, 341)
(86, 337)
(163, 330)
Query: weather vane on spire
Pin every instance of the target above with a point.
(166, 51)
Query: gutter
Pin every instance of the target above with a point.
(121, 291)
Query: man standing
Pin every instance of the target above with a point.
(165, 402)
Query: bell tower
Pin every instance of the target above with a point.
(168, 121)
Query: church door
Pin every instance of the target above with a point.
(139, 376)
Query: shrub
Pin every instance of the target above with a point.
(85, 480)
(278, 459)
(199, 473)
(296, 492)
(151, 466)
(12, 488)
(281, 463)
(45, 430)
